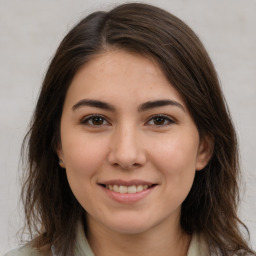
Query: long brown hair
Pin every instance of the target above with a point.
(51, 209)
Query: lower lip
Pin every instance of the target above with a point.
(128, 198)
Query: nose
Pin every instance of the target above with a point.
(126, 149)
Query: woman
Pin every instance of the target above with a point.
(131, 149)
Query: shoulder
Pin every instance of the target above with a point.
(27, 250)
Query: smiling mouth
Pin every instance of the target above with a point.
(127, 189)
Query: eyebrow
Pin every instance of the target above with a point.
(95, 104)
(159, 103)
(143, 107)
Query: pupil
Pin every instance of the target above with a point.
(97, 121)
(159, 120)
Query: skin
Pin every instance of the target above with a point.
(128, 143)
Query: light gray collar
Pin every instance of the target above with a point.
(198, 246)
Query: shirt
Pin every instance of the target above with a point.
(197, 247)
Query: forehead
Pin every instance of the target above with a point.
(119, 63)
(119, 73)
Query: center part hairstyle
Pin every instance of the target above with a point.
(52, 212)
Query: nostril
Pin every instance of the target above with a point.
(123, 166)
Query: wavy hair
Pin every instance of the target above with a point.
(51, 209)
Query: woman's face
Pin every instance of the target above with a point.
(129, 144)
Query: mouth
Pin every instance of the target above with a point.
(127, 192)
(132, 189)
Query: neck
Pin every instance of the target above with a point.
(162, 241)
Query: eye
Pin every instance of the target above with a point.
(94, 120)
(160, 120)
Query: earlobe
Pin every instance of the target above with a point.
(60, 156)
(205, 151)
(61, 163)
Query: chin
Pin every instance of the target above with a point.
(131, 226)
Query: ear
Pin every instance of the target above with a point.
(59, 152)
(205, 151)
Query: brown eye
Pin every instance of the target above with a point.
(94, 120)
(160, 120)
(97, 120)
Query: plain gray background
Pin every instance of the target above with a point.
(30, 32)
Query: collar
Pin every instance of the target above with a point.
(198, 245)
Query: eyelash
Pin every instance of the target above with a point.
(91, 118)
(163, 117)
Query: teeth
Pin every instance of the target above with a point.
(124, 189)
(116, 188)
(139, 188)
(132, 189)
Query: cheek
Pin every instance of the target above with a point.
(176, 158)
(176, 161)
(83, 153)
(83, 158)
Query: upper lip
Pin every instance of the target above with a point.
(126, 182)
